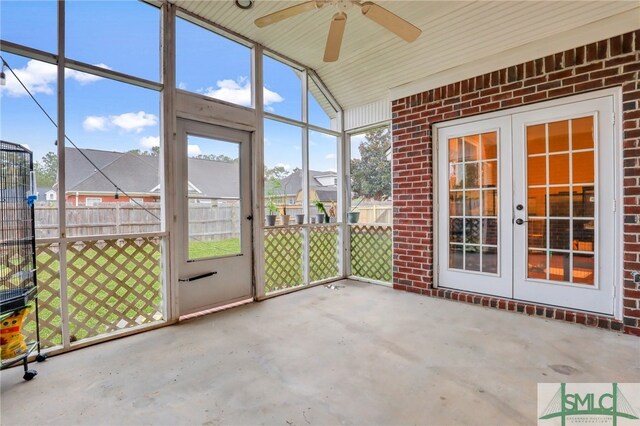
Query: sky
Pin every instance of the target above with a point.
(105, 114)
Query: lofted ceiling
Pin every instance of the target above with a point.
(373, 60)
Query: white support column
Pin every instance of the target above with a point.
(62, 216)
(343, 199)
(306, 238)
(168, 161)
(257, 152)
(344, 164)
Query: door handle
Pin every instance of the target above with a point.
(197, 277)
(519, 221)
(249, 217)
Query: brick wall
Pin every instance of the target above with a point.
(608, 63)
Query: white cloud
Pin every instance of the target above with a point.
(239, 92)
(182, 85)
(129, 122)
(37, 76)
(330, 157)
(40, 77)
(193, 150)
(95, 123)
(149, 142)
(271, 97)
(134, 121)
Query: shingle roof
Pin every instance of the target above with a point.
(293, 183)
(137, 173)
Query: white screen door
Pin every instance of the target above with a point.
(214, 194)
(547, 218)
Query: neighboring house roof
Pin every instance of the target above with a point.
(131, 172)
(327, 194)
(292, 184)
(216, 179)
(78, 168)
(43, 190)
(137, 173)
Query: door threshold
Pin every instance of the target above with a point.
(213, 310)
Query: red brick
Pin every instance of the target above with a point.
(632, 330)
(606, 63)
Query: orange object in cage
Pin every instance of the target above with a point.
(12, 341)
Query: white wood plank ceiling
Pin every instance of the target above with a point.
(373, 60)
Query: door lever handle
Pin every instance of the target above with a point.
(197, 277)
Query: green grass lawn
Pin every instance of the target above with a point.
(205, 249)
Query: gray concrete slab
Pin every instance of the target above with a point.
(362, 354)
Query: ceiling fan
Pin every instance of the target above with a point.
(376, 13)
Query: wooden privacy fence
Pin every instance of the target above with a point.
(374, 214)
(207, 222)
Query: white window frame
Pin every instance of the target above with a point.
(92, 201)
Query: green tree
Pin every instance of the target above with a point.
(47, 170)
(371, 173)
(221, 157)
(277, 173)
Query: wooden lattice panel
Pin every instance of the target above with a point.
(282, 258)
(323, 253)
(48, 269)
(113, 285)
(371, 252)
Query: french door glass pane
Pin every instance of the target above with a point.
(473, 209)
(561, 201)
(213, 189)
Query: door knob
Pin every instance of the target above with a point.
(249, 217)
(519, 221)
(519, 207)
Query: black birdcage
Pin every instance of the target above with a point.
(18, 279)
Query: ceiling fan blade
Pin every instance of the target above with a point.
(378, 14)
(289, 12)
(334, 40)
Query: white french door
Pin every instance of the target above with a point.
(475, 232)
(564, 180)
(537, 223)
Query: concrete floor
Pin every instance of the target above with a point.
(362, 354)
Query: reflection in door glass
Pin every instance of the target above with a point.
(473, 203)
(561, 201)
(213, 197)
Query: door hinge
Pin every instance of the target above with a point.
(614, 205)
(613, 119)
